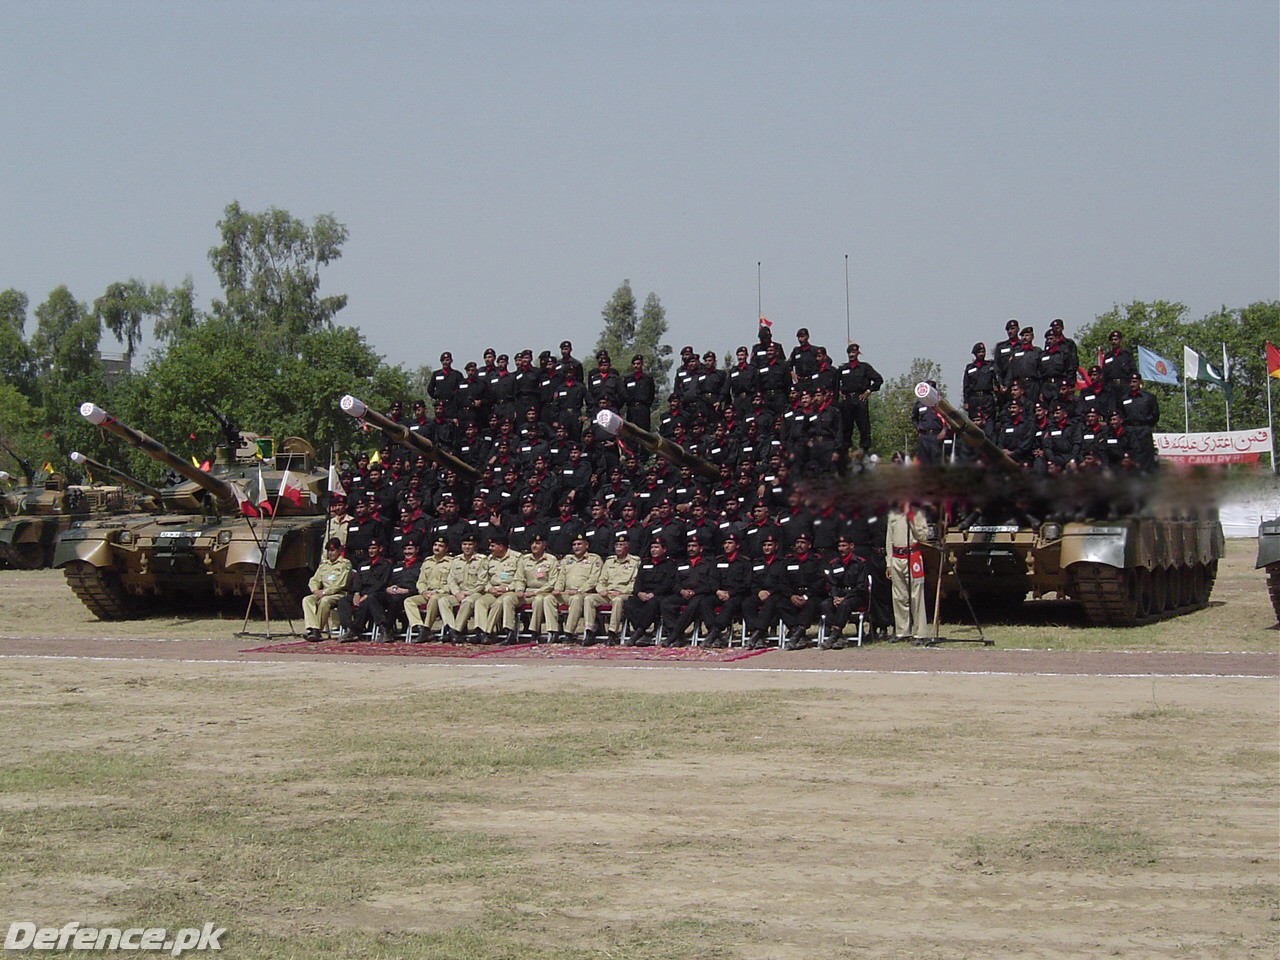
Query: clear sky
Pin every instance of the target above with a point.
(503, 166)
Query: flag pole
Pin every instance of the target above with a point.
(1186, 414)
(1270, 422)
(1226, 385)
(759, 287)
(848, 323)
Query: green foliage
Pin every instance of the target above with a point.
(891, 426)
(17, 362)
(1165, 328)
(269, 267)
(628, 332)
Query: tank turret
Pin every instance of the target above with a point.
(616, 426)
(402, 435)
(203, 487)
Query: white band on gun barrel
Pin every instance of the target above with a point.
(93, 413)
(352, 406)
(927, 394)
(78, 457)
(609, 422)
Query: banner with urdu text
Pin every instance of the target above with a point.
(1235, 446)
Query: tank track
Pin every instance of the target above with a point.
(1113, 597)
(284, 601)
(99, 590)
(1273, 586)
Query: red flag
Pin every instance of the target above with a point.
(264, 499)
(917, 562)
(1102, 357)
(766, 322)
(291, 489)
(1273, 361)
(1082, 379)
(242, 498)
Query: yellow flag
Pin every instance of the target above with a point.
(375, 457)
(48, 467)
(195, 463)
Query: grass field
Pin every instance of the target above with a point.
(467, 811)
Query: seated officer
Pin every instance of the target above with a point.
(329, 584)
(422, 610)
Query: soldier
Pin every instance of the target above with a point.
(1117, 367)
(364, 606)
(743, 382)
(1024, 364)
(465, 587)
(848, 579)
(732, 584)
(540, 581)
(1003, 352)
(422, 609)
(617, 583)
(502, 587)
(654, 583)
(691, 603)
(329, 584)
(803, 359)
(603, 383)
(766, 592)
(979, 389)
(581, 576)
(905, 528)
(641, 392)
(403, 582)
(804, 586)
(568, 363)
(858, 381)
(1141, 413)
(929, 432)
(444, 384)
(1056, 365)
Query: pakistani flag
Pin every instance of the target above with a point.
(1199, 368)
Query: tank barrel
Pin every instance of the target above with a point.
(117, 475)
(358, 409)
(616, 426)
(966, 429)
(160, 453)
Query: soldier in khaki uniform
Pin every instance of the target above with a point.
(330, 583)
(465, 585)
(336, 524)
(581, 577)
(905, 528)
(617, 581)
(541, 579)
(500, 593)
(423, 608)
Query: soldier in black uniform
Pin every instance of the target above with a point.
(1141, 413)
(858, 381)
(929, 432)
(655, 582)
(767, 592)
(364, 606)
(848, 577)
(604, 383)
(1003, 352)
(803, 359)
(1024, 365)
(403, 583)
(641, 392)
(804, 591)
(1117, 367)
(979, 386)
(444, 383)
(691, 603)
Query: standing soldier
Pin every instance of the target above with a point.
(1003, 352)
(979, 388)
(858, 381)
(422, 610)
(905, 528)
(929, 432)
(1117, 367)
(336, 525)
(1141, 414)
(641, 392)
(329, 584)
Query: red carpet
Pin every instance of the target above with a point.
(531, 651)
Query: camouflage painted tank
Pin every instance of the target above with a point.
(1136, 566)
(1269, 559)
(202, 546)
(37, 516)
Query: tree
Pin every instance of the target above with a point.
(269, 267)
(68, 371)
(619, 334)
(649, 333)
(891, 426)
(627, 333)
(16, 359)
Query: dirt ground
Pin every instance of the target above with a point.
(887, 802)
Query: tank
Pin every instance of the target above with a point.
(1269, 559)
(616, 426)
(1124, 562)
(202, 546)
(37, 516)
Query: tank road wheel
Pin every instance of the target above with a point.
(1186, 587)
(1159, 591)
(1109, 596)
(100, 590)
(1273, 586)
(1199, 586)
(1210, 575)
(1145, 593)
